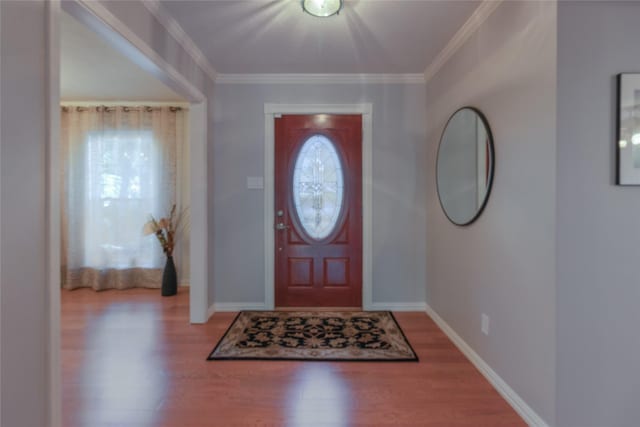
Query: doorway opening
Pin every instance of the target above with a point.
(96, 18)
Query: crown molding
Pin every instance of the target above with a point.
(177, 32)
(477, 18)
(320, 78)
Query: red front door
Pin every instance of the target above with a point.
(318, 210)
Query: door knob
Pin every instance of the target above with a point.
(281, 226)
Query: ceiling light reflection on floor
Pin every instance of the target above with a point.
(121, 385)
(319, 396)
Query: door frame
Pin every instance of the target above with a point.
(271, 112)
(99, 19)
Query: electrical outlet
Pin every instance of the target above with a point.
(485, 324)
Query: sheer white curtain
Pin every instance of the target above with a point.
(119, 166)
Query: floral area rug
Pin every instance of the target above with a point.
(328, 336)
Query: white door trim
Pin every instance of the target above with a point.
(103, 22)
(198, 241)
(52, 227)
(271, 111)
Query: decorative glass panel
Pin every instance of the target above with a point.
(318, 184)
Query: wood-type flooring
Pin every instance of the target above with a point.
(131, 359)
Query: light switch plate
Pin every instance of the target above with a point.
(255, 182)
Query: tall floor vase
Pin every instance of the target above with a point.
(169, 278)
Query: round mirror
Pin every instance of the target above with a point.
(464, 170)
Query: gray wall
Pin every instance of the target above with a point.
(398, 185)
(598, 295)
(503, 264)
(23, 125)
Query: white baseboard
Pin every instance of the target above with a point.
(516, 402)
(397, 306)
(210, 311)
(238, 306)
(376, 306)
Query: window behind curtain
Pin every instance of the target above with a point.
(122, 189)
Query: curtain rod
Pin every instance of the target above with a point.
(104, 108)
(184, 105)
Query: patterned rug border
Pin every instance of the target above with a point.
(305, 359)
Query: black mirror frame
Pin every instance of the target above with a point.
(485, 123)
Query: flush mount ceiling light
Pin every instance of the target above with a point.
(322, 8)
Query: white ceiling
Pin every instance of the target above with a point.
(275, 36)
(92, 70)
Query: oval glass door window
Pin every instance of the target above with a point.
(318, 184)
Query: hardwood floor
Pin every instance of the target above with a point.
(131, 359)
